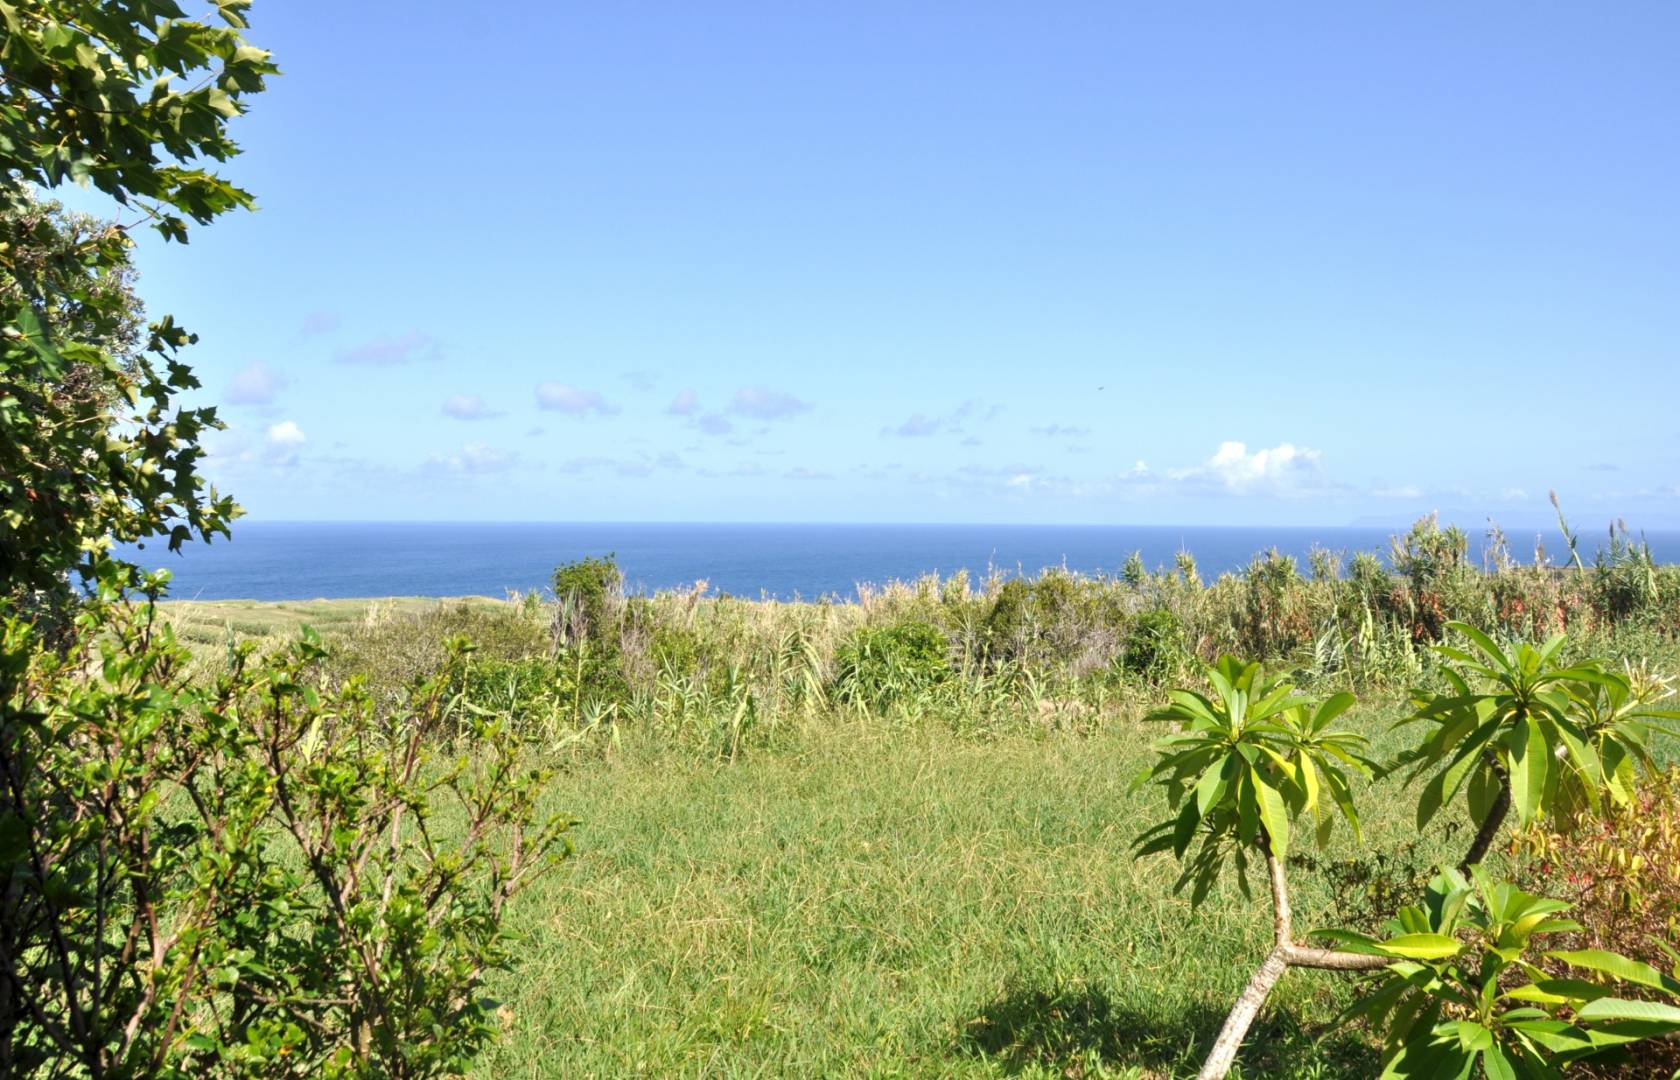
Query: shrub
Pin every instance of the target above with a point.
(389, 653)
(249, 878)
(1434, 576)
(1153, 647)
(1276, 619)
(590, 595)
(1621, 871)
(677, 650)
(881, 667)
(1057, 619)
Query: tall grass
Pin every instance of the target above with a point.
(1006, 654)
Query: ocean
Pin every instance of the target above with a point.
(309, 560)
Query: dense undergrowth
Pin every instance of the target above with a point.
(1058, 651)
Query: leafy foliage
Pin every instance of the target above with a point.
(90, 96)
(1153, 645)
(1469, 985)
(880, 667)
(248, 877)
(1519, 730)
(590, 595)
(1248, 760)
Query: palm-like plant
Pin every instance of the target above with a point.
(1514, 727)
(1249, 759)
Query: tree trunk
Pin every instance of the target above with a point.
(1285, 953)
(1224, 1052)
(1489, 830)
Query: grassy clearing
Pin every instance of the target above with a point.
(895, 903)
(208, 622)
(893, 837)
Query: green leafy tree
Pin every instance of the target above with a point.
(1246, 762)
(249, 877)
(127, 99)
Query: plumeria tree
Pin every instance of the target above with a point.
(1250, 758)
(1461, 981)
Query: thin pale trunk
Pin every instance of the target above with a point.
(1224, 1052)
(1285, 954)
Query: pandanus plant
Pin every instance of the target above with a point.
(1248, 760)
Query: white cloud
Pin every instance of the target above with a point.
(684, 404)
(283, 443)
(317, 323)
(475, 458)
(918, 426)
(387, 351)
(1235, 469)
(559, 397)
(228, 445)
(468, 407)
(256, 384)
(644, 465)
(762, 403)
(714, 424)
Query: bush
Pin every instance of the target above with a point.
(389, 653)
(880, 667)
(1057, 619)
(590, 594)
(249, 878)
(1621, 871)
(1153, 647)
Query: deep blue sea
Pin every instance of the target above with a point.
(306, 560)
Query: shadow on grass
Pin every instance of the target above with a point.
(1076, 1029)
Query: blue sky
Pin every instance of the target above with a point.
(1192, 264)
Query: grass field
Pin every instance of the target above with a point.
(891, 903)
(209, 621)
(913, 891)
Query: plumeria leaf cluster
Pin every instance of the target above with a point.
(1248, 760)
(1472, 984)
(1522, 730)
(1464, 982)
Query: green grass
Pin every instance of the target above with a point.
(881, 903)
(948, 892)
(208, 621)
